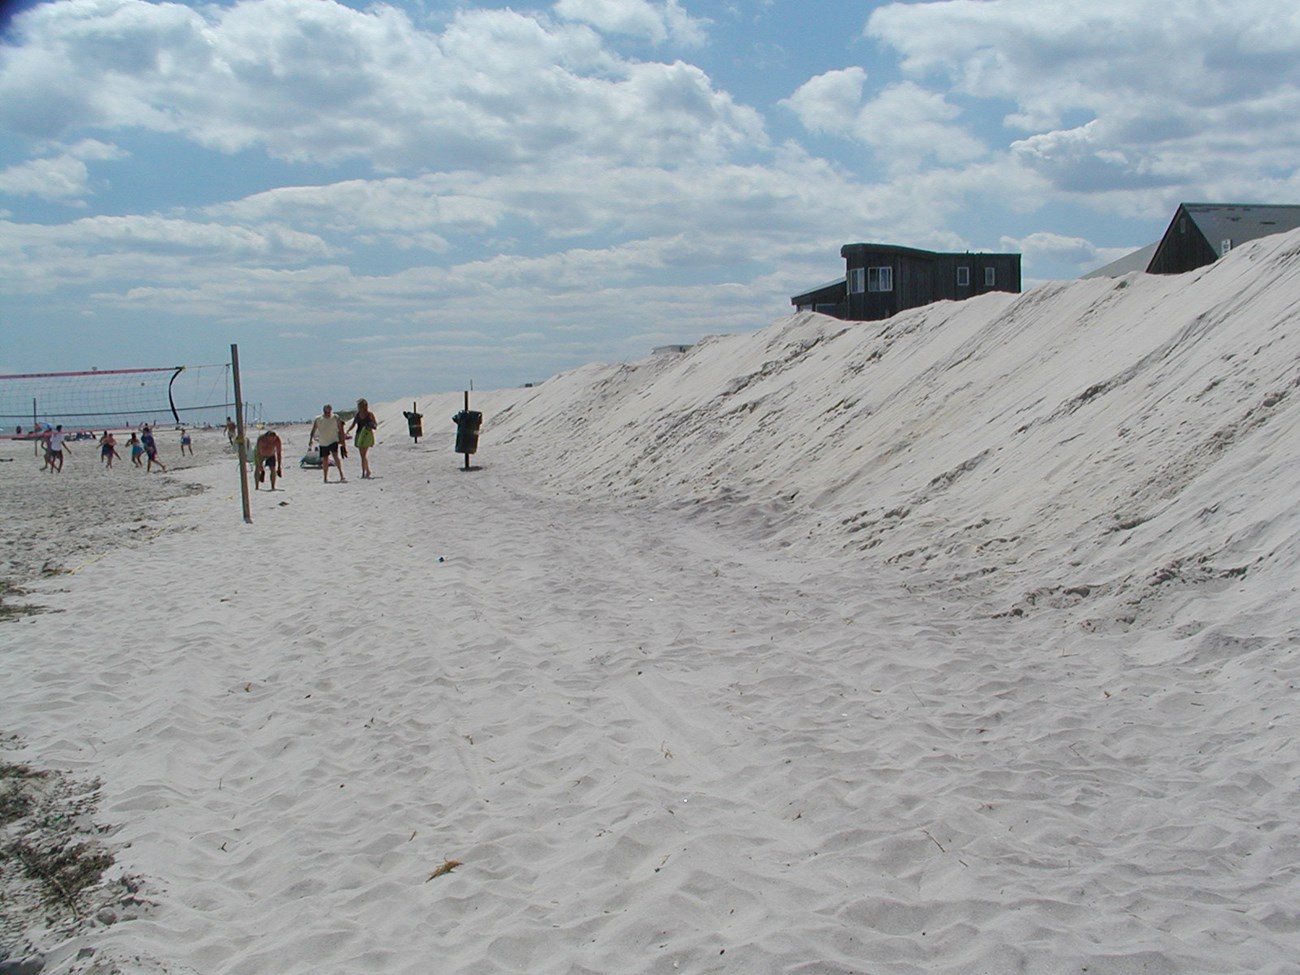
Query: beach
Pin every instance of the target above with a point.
(816, 650)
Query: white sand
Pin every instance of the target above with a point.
(962, 643)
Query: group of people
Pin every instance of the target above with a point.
(142, 446)
(330, 434)
(328, 431)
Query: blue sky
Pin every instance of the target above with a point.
(391, 199)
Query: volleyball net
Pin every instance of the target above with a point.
(115, 399)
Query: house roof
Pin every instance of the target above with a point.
(913, 252)
(1218, 222)
(838, 283)
(849, 249)
(1137, 261)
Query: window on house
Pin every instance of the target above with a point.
(857, 280)
(880, 279)
(963, 277)
(990, 277)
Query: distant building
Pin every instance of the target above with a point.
(1137, 261)
(881, 280)
(1201, 233)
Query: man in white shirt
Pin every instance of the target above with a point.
(54, 448)
(327, 430)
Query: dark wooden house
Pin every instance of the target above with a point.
(828, 299)
(881, 280)
(1201, 233)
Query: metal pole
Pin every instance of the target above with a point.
(239, 434)
(467, 420)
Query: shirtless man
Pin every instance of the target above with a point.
(327, 430)
(270, 456)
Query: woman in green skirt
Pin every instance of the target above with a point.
(364, 424)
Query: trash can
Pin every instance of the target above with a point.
(413, 424)
(468, 423)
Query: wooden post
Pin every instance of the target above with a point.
(239, 434)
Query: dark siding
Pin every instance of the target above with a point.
(922, 277)
(829, 300)
(1183, 247)
(915, 282)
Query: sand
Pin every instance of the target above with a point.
(962, 643)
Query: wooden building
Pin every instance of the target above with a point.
(827, 299)
(1201, 233)
(881, 280)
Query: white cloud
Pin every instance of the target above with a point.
(1161, 97)
(119, 251)
(908, 125)
(829, 102)
(173, 235)
(1053, 248)
(63, 177)
(657, 23)
(316, 81)
(905, 124)
(60, 178)
(404, 211)
(751, 210)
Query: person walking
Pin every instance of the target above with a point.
(108, 449)
(327, 430)
(150, 449)
(54, 448)
(187, 443)
(363, 428)
(137, 449)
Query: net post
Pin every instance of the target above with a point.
(239, 433)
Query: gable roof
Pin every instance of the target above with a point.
(1218, 222)
(1213, 223)
(1201, 233)
(1137, 261)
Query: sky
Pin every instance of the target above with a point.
(385, 200)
